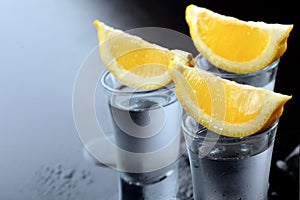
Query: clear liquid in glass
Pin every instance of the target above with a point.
(242, 177)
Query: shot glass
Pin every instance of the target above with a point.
(147, 136)
(264, 78)
(227, 168)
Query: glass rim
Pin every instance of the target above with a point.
(110, 89)
(231, 75)
(203, 129)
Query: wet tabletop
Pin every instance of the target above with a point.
(44, 43)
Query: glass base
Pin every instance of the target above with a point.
(175, 184)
